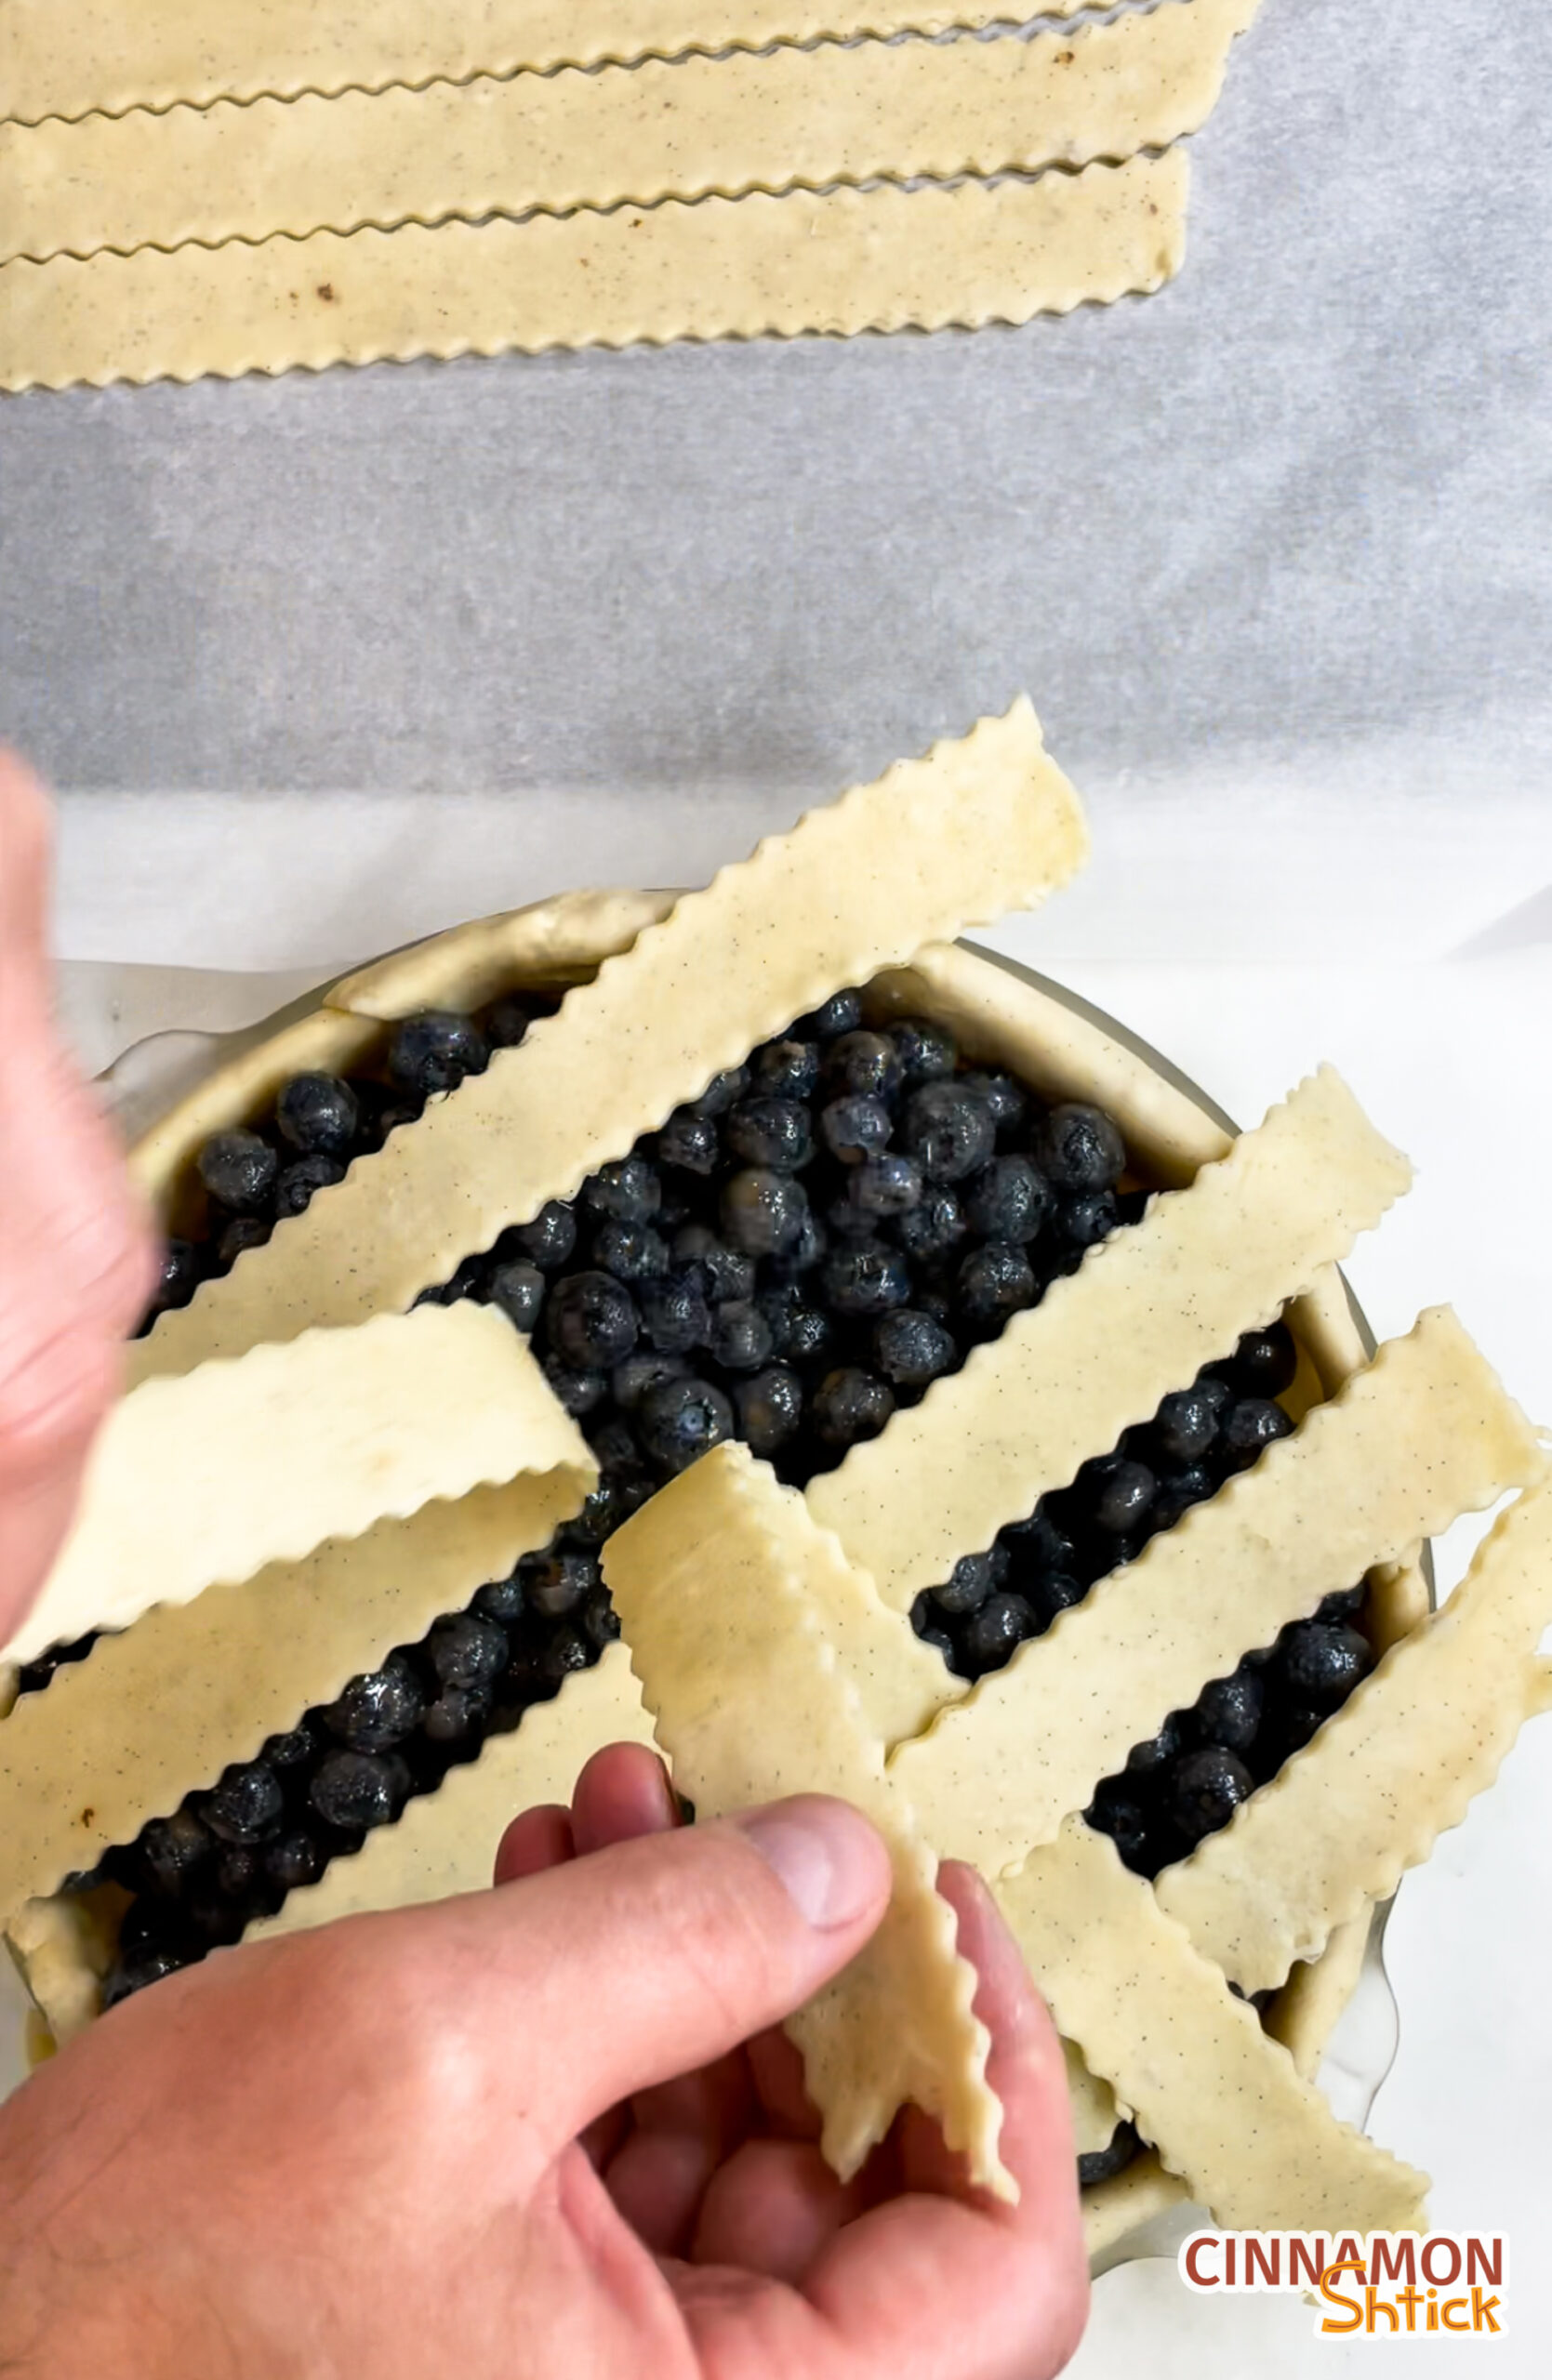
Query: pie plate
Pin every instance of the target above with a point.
(171, 1089)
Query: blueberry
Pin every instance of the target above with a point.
(885, 1186)
(770, 1409)
(240, 1234)
(379, 1709)
(786, 1069)
(1118, 1493)
(1005, 1099)
(355, 1790)
(632, 1253)
(1265, 1361)
(1346, 1603)
(852, 1226)
(862, 1065)
(435, 1051)
(591, 1321)
(680, 1420)
(1039, 1543)
(502, 1600)
(770, 1132)
(237, 1870)
(1052, 1593)
(763, 1211)
(600, 1619)
(382, 1112)
(949, 1131)
(172, 1851)
(741, 1338)
(851, 1405)
(1228, 1711)
(1119, 1811)
(1205, 1789)
(941, 1642)
(131, 1975)
(465, 1651)
(723, 1272)
(458, 1713)
(318, 1115)
(1178, 1490)
(723, 1091)
(239, 1170)
(1322, 1664)
(550, 1238)
(176, 1280)
(565, 1651)
(1253, 1424)
(629, 1382)
(297, 1184)
(507, 1021)
(972, 1580)
(1123, 2147)
(690, 1142)
(294, 1860)
(675, 1315)
(911, 1349)
(517, 1289)
(810, 1335)
(1010, 1201)
(1149, 1759)
(1079, 1148)
(933, 1229)
(926, 1051)
(994, 1282)
(578, 1393)
(292, 1751)
(841, 1013)
(627, 1192)
(1186, 1422)
(247, 1806)
(994, 1632)
(860, 1282)
(855, 1128)
(1285, 1729)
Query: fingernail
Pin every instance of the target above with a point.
(831, 1861)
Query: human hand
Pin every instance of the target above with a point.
(77, 1264)
(518, 2134)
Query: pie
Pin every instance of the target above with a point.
(1058, 1511)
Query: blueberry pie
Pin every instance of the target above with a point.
(1058, 1512)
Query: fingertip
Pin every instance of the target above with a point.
(538, 1840)
(832, 1862)
(621, 1795)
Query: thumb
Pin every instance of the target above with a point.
(649, 1959)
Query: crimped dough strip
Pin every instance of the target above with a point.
(789, 118)
(69, 57)
(1144, 1311)
(849, 260)
(159, 1711)
(999, 1771)
(976, 827)
(712, 1580)
(1224, 2106)
(446, 1842)
(1399, 1763)
(205, 1480)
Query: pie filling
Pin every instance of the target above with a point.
(832, 1226)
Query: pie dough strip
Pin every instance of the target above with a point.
(203, 1481)
(976, 827)
(1000, 1771)
(1397, 1766)
(882, 260)
(1224, 2106)
(158, 1712)
(710, 1581)
(1143, 1312)
(447, 1842)
(786, 119)
(69, 57)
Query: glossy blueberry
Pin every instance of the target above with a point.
(851, 1405)
(559, 1583)
(295, 1750)
(1321, 1664)
(240, 1171)
(1088, 1217)
(762, 1211)
(176, 1280)
(786, 1069)
(548, 1241)
(776, 1132)
(1155, 1754)
(294, 1860)
(237, 1870)
(1265, 1361)
(1228, 1711)
(600, 1619)
(502, 1600)
(435, 1051)
(972, 1580)
(629, 1382)
(580, 1393)
(1011, 1200)
(1346, 1603)
(1205, 1789)
(911, 1348)
(800, 1255)
(1052, 1593)
(297, 1184)
(131, 1975)
(680, 1420)
(885, 1186)
(723, 1091)
(1187, 1420)
(850, 1226)
(926, 1051)
(993, 1633)
(1123, 2147)
(1079, 1148)
(1006, 1102)
(993, 1282)
(810, 1335)
(718, 1270)
(862, 1065)
(675, 1315)
(939, 1639)
(380, 1709)
(172, 1851)
(458, 1713)
(1118, 1493)
(949, 1131)
(1178, 1490)
(627, 1192)
(318, 1115)
(841, 1013)
(770, 1409)
(741, 1338)
(565, 1651)
(1119, 1811)
(591, 1320)
(632, 1252)
(1252, 1424)
(517, 1289)
(690, 1142)
(861, 1282)
(247, 1806)
(933, 1229)
(465, 1651)
(854, 1129)
(507, 1021)
(354, 1791)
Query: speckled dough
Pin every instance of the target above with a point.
(882, 258)
(202, 1481)
(1397, 1764)
(784, 119)
(998, 1772)
(975, 827)
(1225, 2107)
(714, 1586)
(447, 1842)
(1144, 1311)
(68, 57)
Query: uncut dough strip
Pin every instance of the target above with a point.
(68, 57)
(789, 118)
(1143, 1312)
(999, 1771)
(852, 260)
(1224, 2106)
(203, 1481)
(447, 1842)
(158, 1712)
(711, 1582)
(976, 827)
(1399, 1763)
